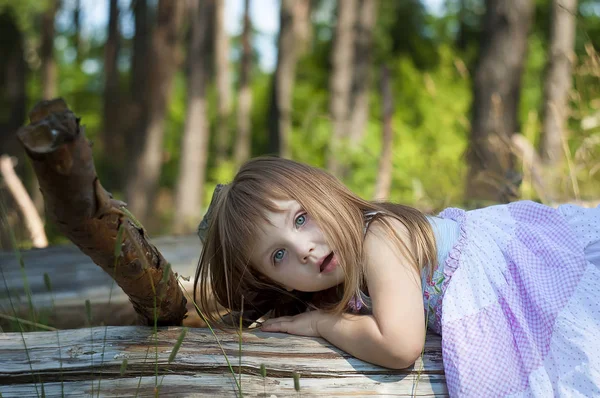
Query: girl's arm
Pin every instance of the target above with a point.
(394, 335)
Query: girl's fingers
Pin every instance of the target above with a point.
(276, 327)
(280, 319)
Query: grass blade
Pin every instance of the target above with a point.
(178, 344)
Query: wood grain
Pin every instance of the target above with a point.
(200, 367)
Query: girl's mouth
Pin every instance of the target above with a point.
(329, 263)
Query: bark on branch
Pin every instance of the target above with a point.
(88, 215)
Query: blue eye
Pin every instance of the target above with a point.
(301, 220)
(278, 255)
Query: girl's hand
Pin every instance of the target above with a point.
(304, 324)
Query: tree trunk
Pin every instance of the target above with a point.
(76, 25)
(496, 90)
(194, 148)
(13, 105)
(557, 81)
(223, 81)
(384, 175)
(359, 95)
(112, 135)
(86, 214)
(243, 141)
(340, 82)
(47, 51)
(302, 25)
(280, 123)
(162, 65)
(48, 78)
(138, 94)
(461, 37)
(12, 86)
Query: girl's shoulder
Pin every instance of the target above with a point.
(382, 230)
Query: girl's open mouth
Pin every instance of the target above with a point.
(329, 263)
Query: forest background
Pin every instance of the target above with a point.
(465, 104)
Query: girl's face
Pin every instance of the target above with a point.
(292, 251)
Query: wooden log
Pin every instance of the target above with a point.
(89, 355)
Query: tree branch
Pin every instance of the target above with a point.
(88, 215)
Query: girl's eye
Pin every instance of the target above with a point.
(278, 255)
(301, 220)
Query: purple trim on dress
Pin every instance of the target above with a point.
(453, 260)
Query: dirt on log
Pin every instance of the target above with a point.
(88, 215)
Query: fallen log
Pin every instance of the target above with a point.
(88, 215)
(86, 356)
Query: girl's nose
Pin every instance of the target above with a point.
(304, 250)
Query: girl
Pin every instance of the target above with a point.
(511, 288)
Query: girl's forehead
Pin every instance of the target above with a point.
(278, 209)
(282, 205)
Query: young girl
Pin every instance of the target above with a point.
(512, 288)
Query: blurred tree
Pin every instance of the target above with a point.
(557, 81)
(13, 102)
(112, 135)
(48, 79)
(496, 91)
(350, 77)
(13, 99)
(139, 84)
(384, 173)
(223, 80)
(47, 51)
(77, 29)
(162, 63)
(293, 13)
(340, 81)
(359, 94)
(194, 147)
(243, 139)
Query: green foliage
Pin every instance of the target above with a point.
(26, 12)
(431, 77)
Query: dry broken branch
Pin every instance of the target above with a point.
(15, 186)
(88, 215)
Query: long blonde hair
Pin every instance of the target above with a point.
(225, 273)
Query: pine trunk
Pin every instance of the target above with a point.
(243, 139)
(557, 81)
(384, 175)
(77, 34)
(13, 104)
(47, 52)
(359, 95)
(340, 82)
(113, 141)
(138, 93)
(281, 92)
(496, 89)
(223, 81)
(194, 148)
(162, 65)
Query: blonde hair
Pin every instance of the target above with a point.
(224, 271)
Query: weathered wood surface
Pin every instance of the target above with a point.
(75, 278)
(200, 369)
